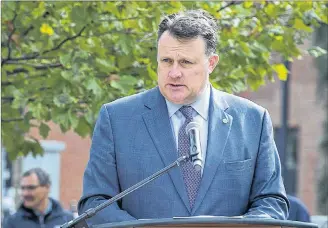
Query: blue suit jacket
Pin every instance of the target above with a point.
(133, 139)
(298, 211)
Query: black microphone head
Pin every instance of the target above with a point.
(193, 131)
(192, 125)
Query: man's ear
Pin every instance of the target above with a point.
(213, 61)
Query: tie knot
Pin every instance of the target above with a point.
(187, 112)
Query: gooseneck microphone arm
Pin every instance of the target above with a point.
(80, 222)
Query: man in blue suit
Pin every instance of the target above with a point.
(138, 135)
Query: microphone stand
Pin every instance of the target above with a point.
(80, 222)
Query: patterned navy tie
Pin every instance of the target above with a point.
(191, 177)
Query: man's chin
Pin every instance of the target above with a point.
(28, 205)
(177, 101)
(181, 100)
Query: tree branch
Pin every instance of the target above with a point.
(229, 4)
(16, 119)
(6, 83)
(28, 30)
(11, 99)
(34, 56)
(10, 36)
(65, 40)
(122, 19)
(11, 120)
(128, 32)
(36, 67)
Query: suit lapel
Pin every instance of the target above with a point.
(218, 131)
(159, 127)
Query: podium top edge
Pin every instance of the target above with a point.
(208, 220)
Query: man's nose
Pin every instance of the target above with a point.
(24, 192)
(175, 71)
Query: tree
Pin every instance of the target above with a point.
(62, 60)
(321, 39)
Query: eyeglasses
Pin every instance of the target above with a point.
(29, 187)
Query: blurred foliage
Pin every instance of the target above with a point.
(321, 40)
(61, 60)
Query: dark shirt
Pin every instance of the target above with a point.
(297, 210)
(27, 218)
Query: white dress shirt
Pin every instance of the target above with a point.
(200, 115)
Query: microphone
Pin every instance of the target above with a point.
(192, 130)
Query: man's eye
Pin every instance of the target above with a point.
(186, 62)
(166, 60)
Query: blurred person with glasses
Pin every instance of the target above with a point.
(37, 208)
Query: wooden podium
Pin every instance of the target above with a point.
(211, 221)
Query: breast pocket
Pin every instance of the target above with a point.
(238, 165)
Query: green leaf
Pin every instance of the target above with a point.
(125, 83)
(4, 50)
(62, 100)
(245, 48)
(19, 99)
(37, 110)
(73, 119)
(79, 14)
(39, 11)
(299, 24)
(271, 9)
(255, 83)
(34, 147)
(93, 86)
(124, 61)
(8, 10)
(124, 44)
(111, 7)
(248, 4)
(281, 71)
(44, 130)
(68, 75)
(152, 74)
(83, 127)
(10, 4)
(105, 65)
(65, 59)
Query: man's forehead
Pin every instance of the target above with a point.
(33, 178)
(168, 40)
(172, 47)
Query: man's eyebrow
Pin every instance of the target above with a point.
(179, 57)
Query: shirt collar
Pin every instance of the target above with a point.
(201, 105)
(48, 209)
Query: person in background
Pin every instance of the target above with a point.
(37, 208)
(297, 210)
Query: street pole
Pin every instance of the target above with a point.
(284, 117)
